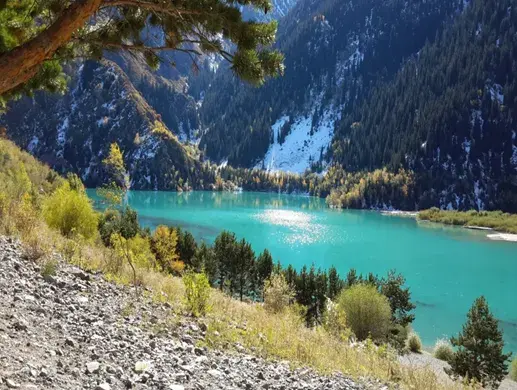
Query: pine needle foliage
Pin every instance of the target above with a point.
(89, 28)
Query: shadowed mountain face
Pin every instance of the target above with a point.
(424, 85)
(73, 132)
(121, 100)
(427, 85)
(335, 52)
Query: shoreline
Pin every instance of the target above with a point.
(399, 213)
(493, 234)
(509, 237)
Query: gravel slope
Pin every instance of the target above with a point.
(76, 331)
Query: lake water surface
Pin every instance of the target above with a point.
(445, 267)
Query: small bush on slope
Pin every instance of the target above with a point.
(443, 350)
(197, 293)
(367, 311)
(277, 293)
(71, 212)
(334, 321)
(413, 343)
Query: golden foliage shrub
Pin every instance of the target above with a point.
(71, 212)
(164, 243)
(277, 293)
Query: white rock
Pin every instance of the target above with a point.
(92, 367)
(141, 366)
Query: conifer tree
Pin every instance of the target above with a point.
(37, 36)
(205, 255)
(335, 283)
(187, 246)
(480, 345)
(399, 298)
(264, 265)
(224, 253)
(244, 268)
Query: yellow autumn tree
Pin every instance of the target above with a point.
(115, 168)
(164, 242)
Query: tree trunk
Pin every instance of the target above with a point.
(22, 63)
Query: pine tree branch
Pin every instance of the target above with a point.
(158, 7)
(22, 63)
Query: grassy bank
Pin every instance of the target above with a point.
(497, 220)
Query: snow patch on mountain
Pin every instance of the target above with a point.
(345, 64)
(496, 92)
(304, 144)
(513, 159)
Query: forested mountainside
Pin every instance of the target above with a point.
(107, 103)
(73, 132)
(335, 51)
(424, 86)
(428, 86)
(450, 114)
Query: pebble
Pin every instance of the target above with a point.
(92, 367)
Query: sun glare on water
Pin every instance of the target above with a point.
(302, 229)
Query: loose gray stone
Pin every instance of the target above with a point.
(114, 340)
(141, 366)
(11, 384)
(92, 367)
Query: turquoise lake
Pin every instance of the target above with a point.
(445, 267)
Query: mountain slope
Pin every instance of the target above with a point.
(334, 52)
(107, 103)
(450, 115)
(85, 332)
(73, 132)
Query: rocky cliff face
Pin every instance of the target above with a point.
(75, 330)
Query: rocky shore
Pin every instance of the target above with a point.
(74, 330)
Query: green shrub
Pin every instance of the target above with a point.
(367, 311)
(413, 343)
(277, 293)
(513, 369)
(70, 212)
(397, 337)
(123, 222)
(443, 350)
(49, 268)
(197, 293)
